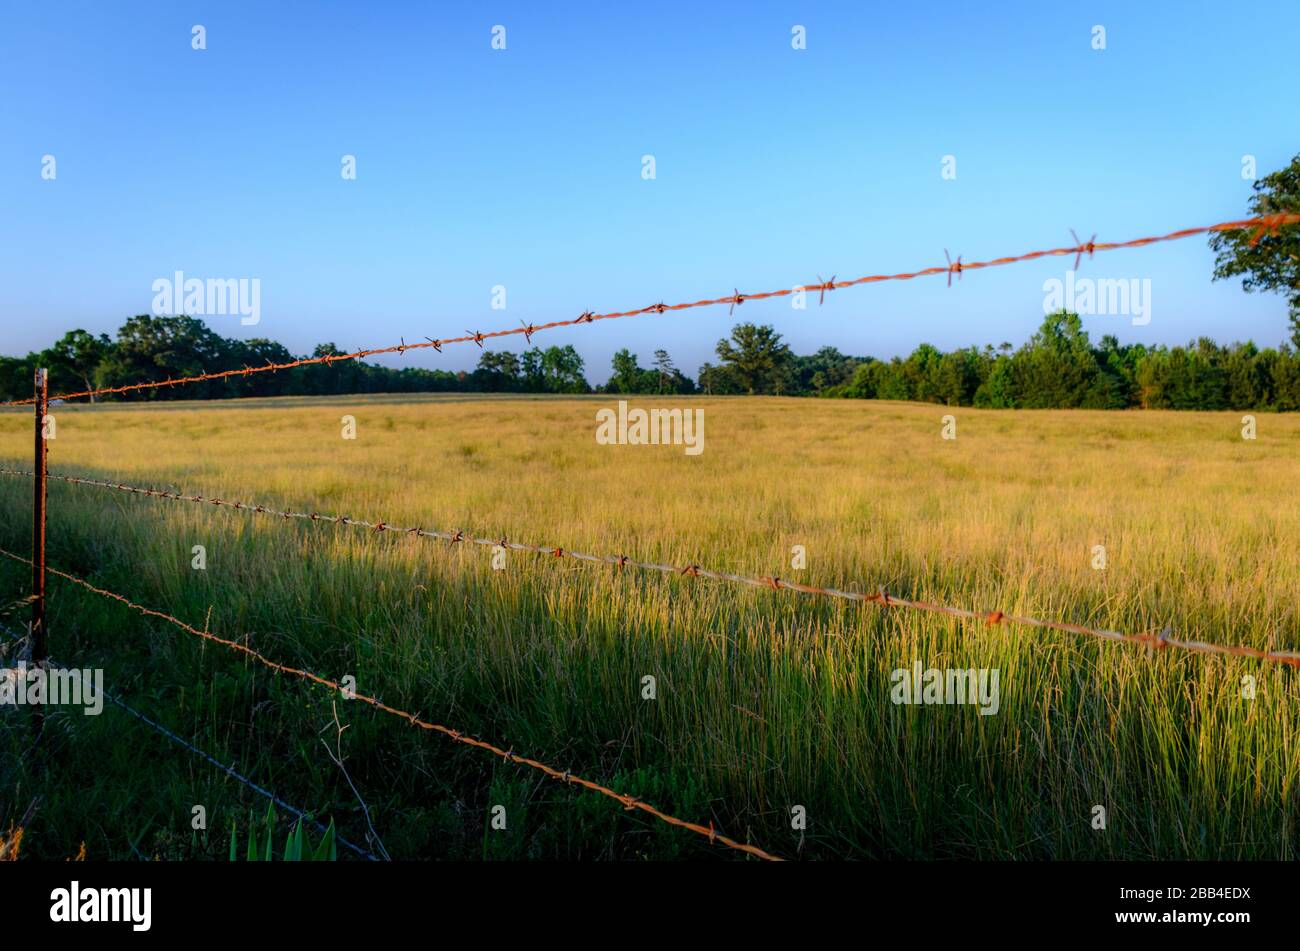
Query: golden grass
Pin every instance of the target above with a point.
(766, 699)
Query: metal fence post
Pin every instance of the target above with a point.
(40, 649)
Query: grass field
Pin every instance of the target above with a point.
(765, 700)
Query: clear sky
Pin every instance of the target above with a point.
(522, 167)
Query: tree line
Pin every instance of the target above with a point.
(1057, 368)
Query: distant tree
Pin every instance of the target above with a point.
(1267, 262)
(72, 361)
(664, 367)
(1285, 376)
(258, 352)
(707, 376)
(337, 376)
(1057, 367)
(562, 370)
(16, 375)
(151, 348)
(1246, 378)
(1114, 384)
(497, 372)
(824, 370)
(627, 374)
(957, 377)
(998, 389)
(531, 376)
(757, 359)
(920, 374)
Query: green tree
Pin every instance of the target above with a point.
(72, 361)
(998, 390)
(1267, 262)
(337, 376)
(664, 368)
(1057, 368)
(16, 374)
(561, 369)
(497, 372)
(756, 358)
(957, 377)
(256, 352)
(531, 376)
(627, 373)
(825, 369)
(157, 348)
(716, 381)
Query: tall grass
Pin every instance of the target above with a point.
(765, 700)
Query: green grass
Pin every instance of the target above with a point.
(766, 700)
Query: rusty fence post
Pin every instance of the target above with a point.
(40, 648)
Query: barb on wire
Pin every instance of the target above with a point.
(881, 597)
(824, 286)
(1089, 247)
(225, 768)
(953, 266)
(454, 735)
(1260, 226)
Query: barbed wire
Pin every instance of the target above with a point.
(628, 802)
(229, 770)
(1262, 225)
(1157, 640)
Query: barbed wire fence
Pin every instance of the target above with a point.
(510, 756)
(1260, 227)
(301, 814)
(1163, 638)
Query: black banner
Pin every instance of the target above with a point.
(948, 900)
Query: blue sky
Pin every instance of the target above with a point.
(478, 167)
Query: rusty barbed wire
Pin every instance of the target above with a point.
(628, 802)
(1157, 640)
(1262, 225)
